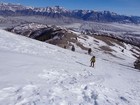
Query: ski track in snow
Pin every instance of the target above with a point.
(36, 73)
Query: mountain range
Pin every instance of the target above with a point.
(89, 22)
(8, 9)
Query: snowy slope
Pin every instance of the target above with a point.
(129, 33)
(36, 73)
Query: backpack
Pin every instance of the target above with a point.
(92, 59)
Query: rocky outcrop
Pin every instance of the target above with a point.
(38, 31)
(137, 64)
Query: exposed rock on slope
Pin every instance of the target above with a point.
(137, 63)
(38, 31)
(67, 38)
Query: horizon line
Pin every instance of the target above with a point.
(70, 9)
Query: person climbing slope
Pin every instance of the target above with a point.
(89, 51)
(92, 61)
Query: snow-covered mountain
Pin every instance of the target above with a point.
(84, 21)
(11, 7)
(123, 32)
(38, 73)
(33, 72)
(129, 33)
(8, 9)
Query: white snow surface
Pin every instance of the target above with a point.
(37, 73)
(126, 32)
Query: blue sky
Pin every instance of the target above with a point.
(125, 7)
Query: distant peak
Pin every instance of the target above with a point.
(3, 3)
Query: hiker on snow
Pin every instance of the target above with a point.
(92, 61)
(73, 48)
(89, 51)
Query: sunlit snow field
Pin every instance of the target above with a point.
(37, 73)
